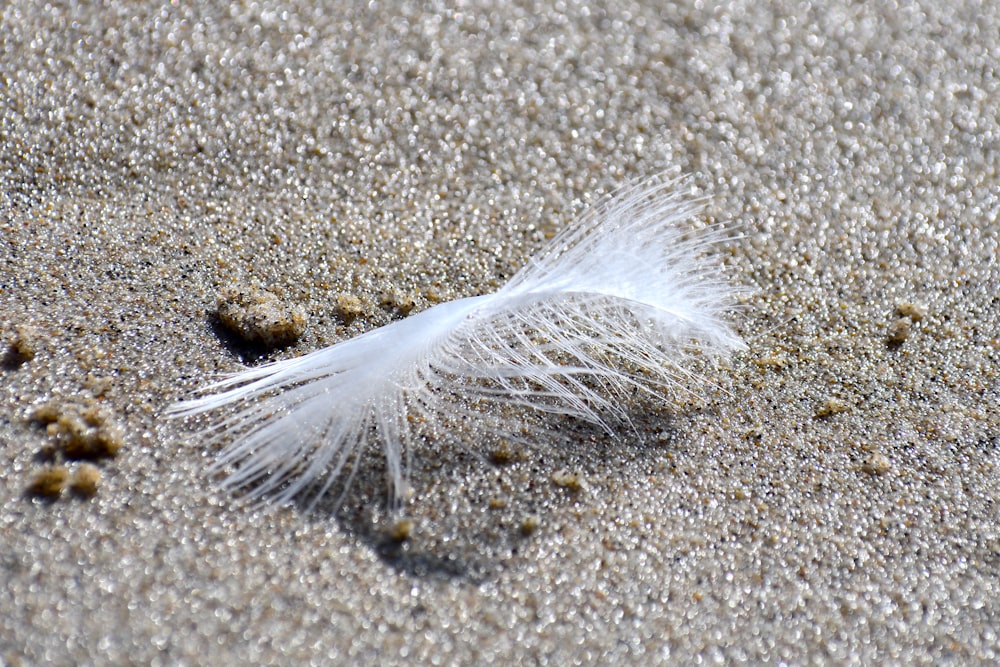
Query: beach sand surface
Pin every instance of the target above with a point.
(828, 495)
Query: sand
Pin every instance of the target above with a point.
(830, 497)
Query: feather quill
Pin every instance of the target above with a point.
(615, 303)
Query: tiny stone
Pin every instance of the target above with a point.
(832, 406)
(914, 311)
(405, 304)
(390, 298)
(260, 317)
(86, 479)
(876, 464)
(502, 454)
(98, 385)
(899, 330)
(530, 524)
(49, 482)
(95, 416)
(772, 362)
(109, 441)
(23, 346)
(46, 413)
(71, 425)
(401, 530)
(386, 298)
(568, 480)
(348, 307)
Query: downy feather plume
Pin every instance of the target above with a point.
(614, 304)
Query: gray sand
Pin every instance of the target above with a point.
(152, 155)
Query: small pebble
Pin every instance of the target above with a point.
(46, 413)
(401, 530)
(260, 317)
(832, 406)
(390, 298)
(98, 385)
(502, 454)
(877, 464)
(772, 361)
(899, 330)
(348, 307)
(49, 482)
(914, 311)
(85, 480)
(22, 347)
(665, 437)
(566, 479)
(530, 524)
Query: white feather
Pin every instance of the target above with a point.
(614, 303)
